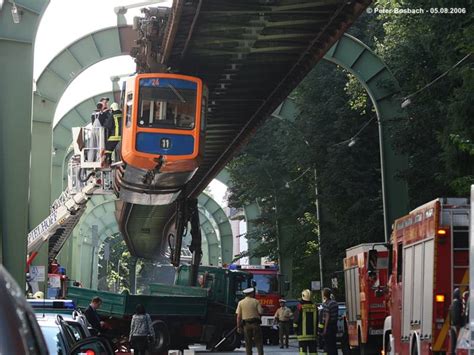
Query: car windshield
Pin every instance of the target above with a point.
(266, 284)
(53, 341)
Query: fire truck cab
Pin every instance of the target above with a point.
(429, 258)
(268, 285)
(365, 274)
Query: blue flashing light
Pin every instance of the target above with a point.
(52, 304)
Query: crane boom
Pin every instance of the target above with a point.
(58, 226)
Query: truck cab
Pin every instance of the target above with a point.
(429, 259)
(224, 286)
(365, 274)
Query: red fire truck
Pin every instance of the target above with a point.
(365, 274)
(429, 258)
(269, 291)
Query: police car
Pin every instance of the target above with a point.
(63, 327)
(68, 337)
(22, 335)
(66, 309)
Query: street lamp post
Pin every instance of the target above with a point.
(316, 203)
(277, 226)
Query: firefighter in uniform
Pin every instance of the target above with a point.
(305, 324)
(113, 125)
(248, 313)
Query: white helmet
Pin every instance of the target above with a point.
(306, 295)
(38, 295)
(114, 106)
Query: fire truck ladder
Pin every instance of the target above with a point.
(66, 211)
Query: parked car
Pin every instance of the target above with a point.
(65, 308)
(69, 337)
(21, 333)
(19, 330)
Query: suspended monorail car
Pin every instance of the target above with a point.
(163, 136)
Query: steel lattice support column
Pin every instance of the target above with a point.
(17, 34)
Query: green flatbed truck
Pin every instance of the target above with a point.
(181, 314)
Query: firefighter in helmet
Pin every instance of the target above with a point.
(305, 324)
(113, 124)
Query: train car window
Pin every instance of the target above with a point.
(129, 107)
(167, 103)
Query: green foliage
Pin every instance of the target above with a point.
(114, 273)
(419, 48)
(348, 178)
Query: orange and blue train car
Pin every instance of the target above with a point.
(164, 122)
(163, 136)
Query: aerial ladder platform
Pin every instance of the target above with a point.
(86, 177)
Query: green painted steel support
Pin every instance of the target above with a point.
(384, 91)
(100, 212)
(251, 211)
(223, 226)
(40, 183)
(16, 71)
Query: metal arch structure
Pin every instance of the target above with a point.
(384, 91)
(80, 254)
(223, 226)
(251, 212)
(212, 250)
(16, 70)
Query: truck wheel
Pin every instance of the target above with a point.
(232, 342)
(162, 337)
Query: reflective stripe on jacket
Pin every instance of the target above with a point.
(117, 135)
(305, 321)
